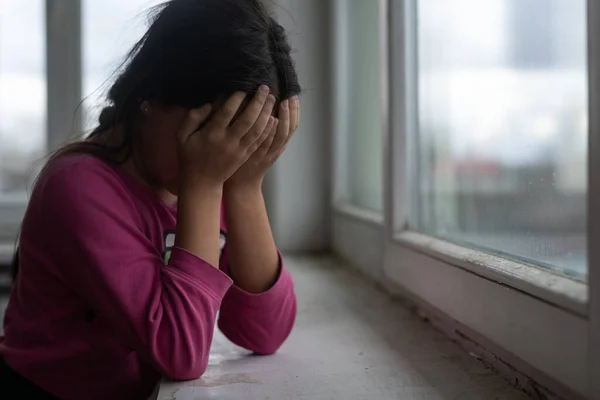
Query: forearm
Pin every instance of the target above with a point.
(198, 220)
(253, 256)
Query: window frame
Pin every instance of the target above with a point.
(593, 27)
(490, 297)
(485, 293)
(63, 83)
(357, 233)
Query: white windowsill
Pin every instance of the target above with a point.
(350, 341)
(537, 282)
(370, 217)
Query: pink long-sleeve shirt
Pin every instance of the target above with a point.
(104, 304)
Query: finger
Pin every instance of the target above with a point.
(294, 119)
(265, 139)
(225, 115)
(294, 113)
(192, 120)
(287, 140)
(283, 128)
(270, 131)
(247, 119)
(261, 123)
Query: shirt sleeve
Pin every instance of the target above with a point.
(165, 313)
(259, 322)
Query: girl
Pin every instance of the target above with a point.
(136, 237)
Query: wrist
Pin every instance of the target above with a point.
(245, 188)
(199, 191)
(192, 183)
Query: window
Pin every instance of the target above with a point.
(486, 176)
(110, 29)
(501, 161)
(361, 105)
(22, 93)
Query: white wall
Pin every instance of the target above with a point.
(298, 189)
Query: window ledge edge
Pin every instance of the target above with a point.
(358, 213)
(560, 291)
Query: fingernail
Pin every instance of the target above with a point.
(285, 104)
(263, 89)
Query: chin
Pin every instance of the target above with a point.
(170, 185)
(173, 189)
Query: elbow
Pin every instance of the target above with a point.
(270, 343)
(264, 343)
(185, 372)
(262, 330)
(262, 339)
(267, 349)
(185, 367)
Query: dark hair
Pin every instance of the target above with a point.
(193, 52)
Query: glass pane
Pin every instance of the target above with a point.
(22, 92)
(110, 29)
(363, 112)
(502, 141)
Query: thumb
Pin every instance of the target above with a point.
(192, 121)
